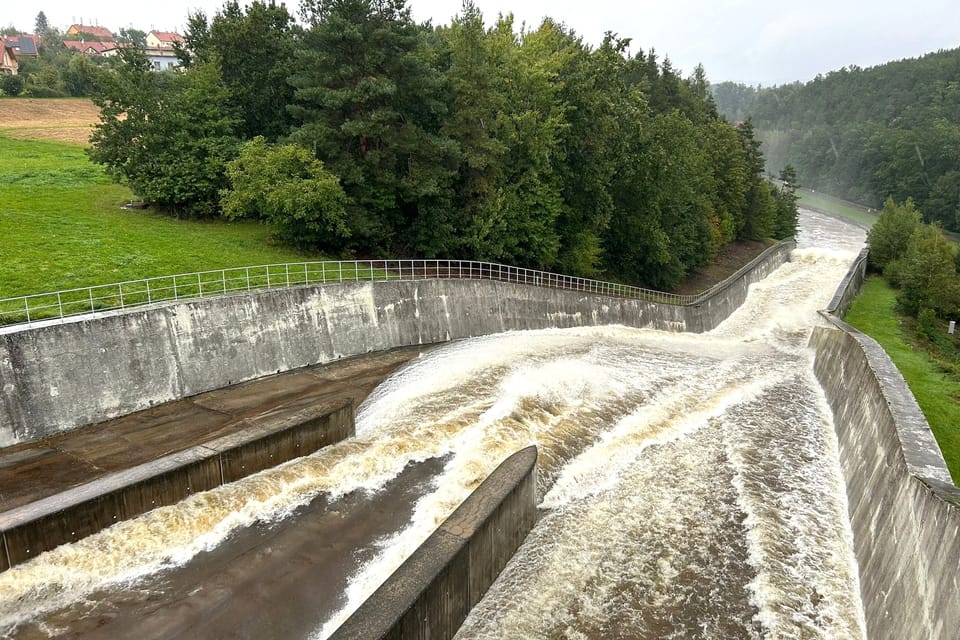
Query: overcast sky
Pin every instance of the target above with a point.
(752, 41)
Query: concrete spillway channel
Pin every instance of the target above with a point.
(66, 487)
(284, 573)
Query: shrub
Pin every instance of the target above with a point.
(286, 186)
(891, 233)
(11, 85)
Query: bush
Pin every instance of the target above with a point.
(927, 324)
(893, 272)
(891, 233)
(928, 278)
(11, 85)
(39, 91)
(168, 135)
(286, 186)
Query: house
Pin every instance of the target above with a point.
(8, 63)
(92, 48)
(163, 39)
(24, 46)
(162, 58)
(87, 32)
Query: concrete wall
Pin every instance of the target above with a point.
(430, 595)
(58, 377)
(36, 527)
(904, 509)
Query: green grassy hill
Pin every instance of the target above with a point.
(62, 227)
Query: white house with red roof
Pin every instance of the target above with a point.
(163, 39)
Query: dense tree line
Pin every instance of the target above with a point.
(867, 134)
(362, 132)
(920, 262)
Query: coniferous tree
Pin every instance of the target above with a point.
(371, 108)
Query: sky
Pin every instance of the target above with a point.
(751, 41)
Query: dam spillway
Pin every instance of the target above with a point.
(689, 484)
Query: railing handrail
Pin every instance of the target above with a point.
(59, 305)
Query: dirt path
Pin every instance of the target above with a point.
(61, 119)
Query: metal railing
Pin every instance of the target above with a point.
(58, 305)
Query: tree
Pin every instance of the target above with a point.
(891, 233)
(928, 277)
(287, 187)
(168, 135)
(759, 218)
(371, 106)
(133, 36)
(41, 24)
(785, 197)
(475, 124)
(254, 49)
(731, 178)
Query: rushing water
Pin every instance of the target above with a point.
(689, 483)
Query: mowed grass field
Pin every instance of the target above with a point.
(61, 222)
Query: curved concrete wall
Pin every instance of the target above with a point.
(904, 509)
(430, 595)
(62, 376)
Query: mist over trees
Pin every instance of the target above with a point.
(360, 132)
(866, 134)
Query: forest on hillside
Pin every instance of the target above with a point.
(356, 131)
(866, 134)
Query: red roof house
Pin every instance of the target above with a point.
(100, 33)
(163, 39)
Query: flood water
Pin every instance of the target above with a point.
(689, 485)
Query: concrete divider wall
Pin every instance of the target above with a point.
(36, 527)
(58, 377)
(904, 509)
(430, 595)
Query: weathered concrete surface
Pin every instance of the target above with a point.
(430, 595)
(78, 512)
(903, 505)
(272, 580)
(69, 486)
(58, 377)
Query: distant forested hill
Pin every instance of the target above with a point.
(865, 134)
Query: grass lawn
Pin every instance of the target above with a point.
(836, 207)
(62, 227)
(937, 392)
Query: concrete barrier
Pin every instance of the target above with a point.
(904, 508)
(76, 513)
(430, 595)
(58, 377)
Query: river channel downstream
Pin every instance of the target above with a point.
(688, 487)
